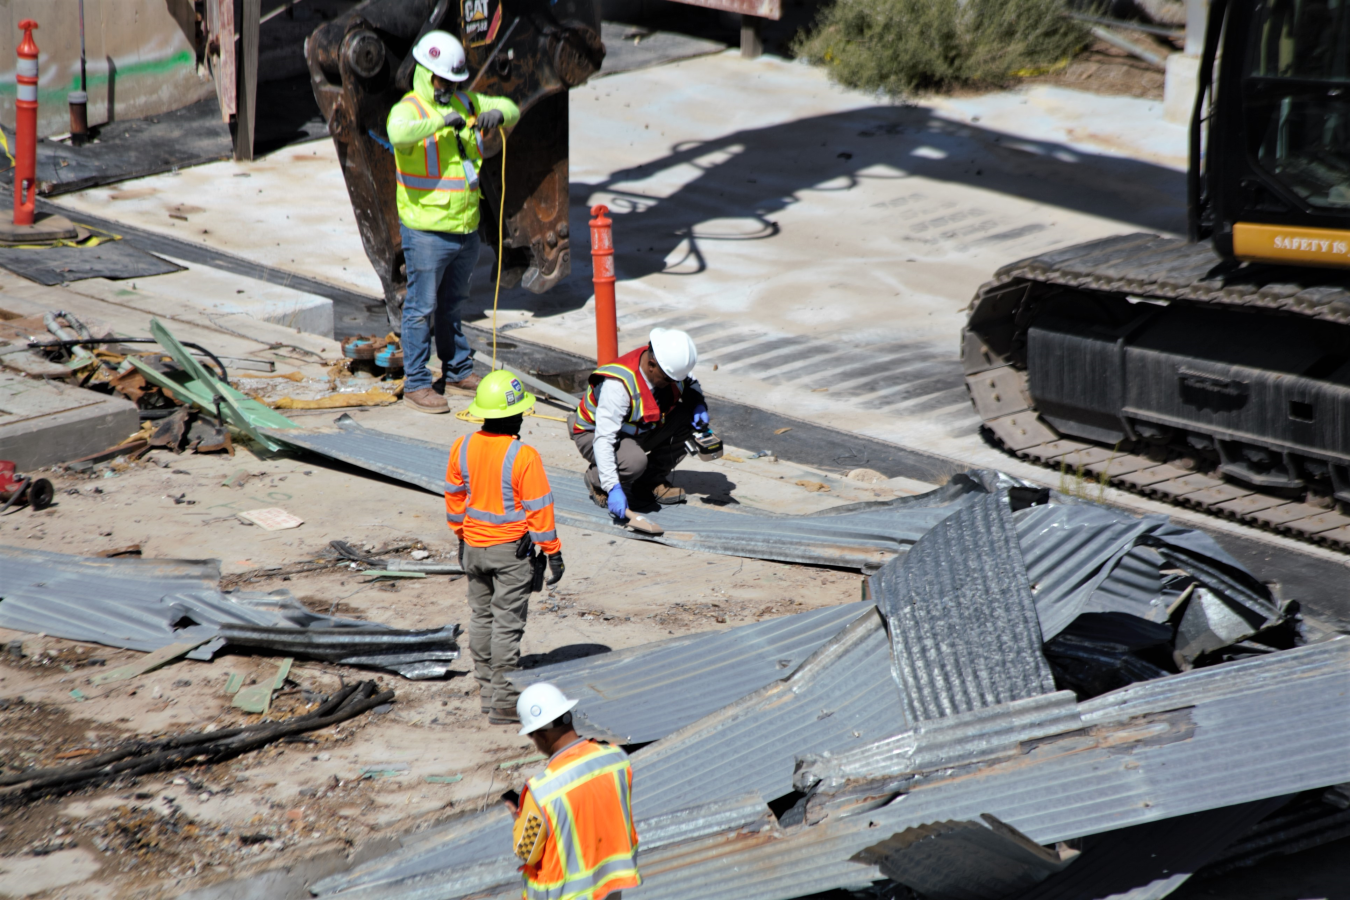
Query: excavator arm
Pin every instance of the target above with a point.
(531, 51)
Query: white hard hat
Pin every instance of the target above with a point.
(675, 352)
(442, 54)
(539, 704)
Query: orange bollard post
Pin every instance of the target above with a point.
(602, 265)
(25, 128)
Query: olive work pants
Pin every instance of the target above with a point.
(645, 460)
(499, 599)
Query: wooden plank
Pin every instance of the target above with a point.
(248, 80)
(147, 663)
(1154, 475)
(220, 39)
(1021, 430)
(1288, 512)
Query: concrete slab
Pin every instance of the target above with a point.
(46, 422)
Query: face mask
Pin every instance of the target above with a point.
(443, 97)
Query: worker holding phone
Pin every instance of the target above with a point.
(574, 824)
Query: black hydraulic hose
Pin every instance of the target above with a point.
(42, 345)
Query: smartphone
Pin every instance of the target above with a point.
(512, 797)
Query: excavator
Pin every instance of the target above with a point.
(1213, 371)
(531, 51)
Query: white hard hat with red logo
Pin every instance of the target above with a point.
(442, 54)
(539, 705)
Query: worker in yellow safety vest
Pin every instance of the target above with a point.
(499, 505)
(573, 828)
(438, 136)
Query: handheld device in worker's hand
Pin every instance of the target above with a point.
(707, 445)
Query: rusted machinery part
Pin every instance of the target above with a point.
(361, 65)
(1141, 267)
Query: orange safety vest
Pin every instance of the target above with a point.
(575, 831)
(644, 410)
(496, 490)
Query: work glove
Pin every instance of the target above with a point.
(701, 419)
(618, 502)
(461, 554)
(454, 120)
(489, 119)
(555, 568)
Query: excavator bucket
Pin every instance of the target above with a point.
(531, 51)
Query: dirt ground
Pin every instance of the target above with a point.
(165, 834)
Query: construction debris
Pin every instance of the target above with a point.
(140, 757)
(936, 744)
(151, 604)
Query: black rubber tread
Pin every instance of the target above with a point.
(1148, 265)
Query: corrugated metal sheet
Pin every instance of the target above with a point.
(963, 622)
(1083, 557)
(1148, 862)
(844, 694)
(145, 604)
(645, 693)
(857, 536)
(1240, 748)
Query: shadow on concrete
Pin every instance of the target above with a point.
(747, 177)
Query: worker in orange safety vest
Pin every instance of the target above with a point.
(499, 505)
(573, 828)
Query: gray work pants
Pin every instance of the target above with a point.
(499, 599)
(646, 460)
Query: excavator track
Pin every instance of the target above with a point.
(1147, 270)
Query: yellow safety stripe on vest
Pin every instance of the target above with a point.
(586, 410)
(546, 786)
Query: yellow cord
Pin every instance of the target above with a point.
(501, 218)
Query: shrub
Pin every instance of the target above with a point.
(903, 47)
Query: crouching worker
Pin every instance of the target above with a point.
(574, 825)
(634, 419)
(498, 503)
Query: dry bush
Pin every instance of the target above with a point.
(901, 47)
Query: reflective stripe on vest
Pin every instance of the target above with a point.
(422, 183)
(510, 513)
(625, 375)
(549, 791)
(432, 179)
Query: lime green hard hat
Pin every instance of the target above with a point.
(500, 394)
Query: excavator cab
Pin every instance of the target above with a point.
(1273, 184)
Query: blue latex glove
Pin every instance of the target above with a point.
(701, 416)
(618, 502)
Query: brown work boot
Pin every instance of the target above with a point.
(469, 383)
(599, 496)
(668, 494)
(425, 400)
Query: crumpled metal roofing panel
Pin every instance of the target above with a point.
(840, 697)
(145, 604)
(857, 536)
(1141, 763)
(1084, 557)
(644, 693)
(962, 619)
(843, 696)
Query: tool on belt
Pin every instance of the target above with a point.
(525, 549)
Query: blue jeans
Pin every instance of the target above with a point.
(440, 265)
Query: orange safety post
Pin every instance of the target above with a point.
(602, 265)
(25, 128)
